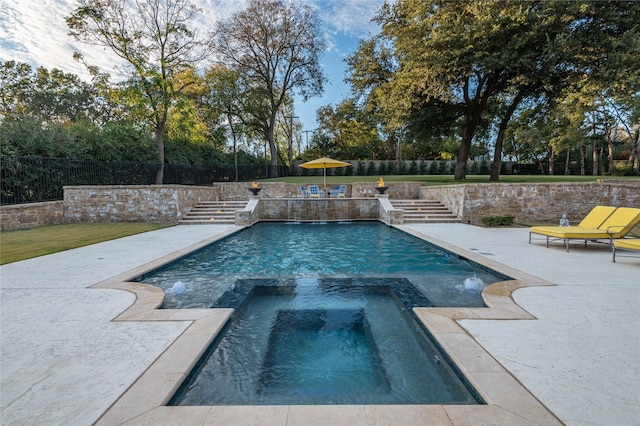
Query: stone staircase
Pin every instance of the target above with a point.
(424, 211)
(213, 212)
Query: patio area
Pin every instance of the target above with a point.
(64, 361)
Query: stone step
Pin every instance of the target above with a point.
(222, 203)
(424, 211)
(208, 212)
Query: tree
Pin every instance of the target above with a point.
(353, 132)
(16, 83)
(154, 38)
(455, 61)
(224, 96)
(276, 47)
(48, 95)
(458, 56)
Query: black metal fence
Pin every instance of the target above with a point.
(33, 179)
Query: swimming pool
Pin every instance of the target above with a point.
(323, 315)
(296, 250)
(323, 341)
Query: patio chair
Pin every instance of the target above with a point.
(612, 226)
(315, 192)
(630, 244)
(338, 191)
(304, 191)
(342, 192)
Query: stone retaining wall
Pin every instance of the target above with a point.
(534, 203)
(529, 203)
(133, 203)
(21, 216)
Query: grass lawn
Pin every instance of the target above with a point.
(441, 179)
(27, 243)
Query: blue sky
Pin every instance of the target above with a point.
(35, 32)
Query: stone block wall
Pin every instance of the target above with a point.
(250, 214)
(388, 214)
(452, 196)
(397, 190)
(22, 216)
(529, 203)
(534, 203)
(309, 210)
(133, 203)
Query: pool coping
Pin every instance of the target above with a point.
(507, 400)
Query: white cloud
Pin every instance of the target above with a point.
(35, 32)
(350, 17)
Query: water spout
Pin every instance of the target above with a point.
(473, 284)
(178, 288)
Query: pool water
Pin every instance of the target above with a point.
(322, 315)
(323, 341)
(298, 250)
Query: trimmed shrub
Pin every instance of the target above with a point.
(492, 221)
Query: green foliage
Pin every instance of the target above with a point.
(413, 168)
(493, 221)
(478, 63)
(474, 168)
(442, 168)
(371, 169)
(484, 168)
(433, 168)
(382, 169)
(624, 171)
(402, 168)
(348, 171)
(391, 168)
(275, 46)
(361, 168)
(157, 42)
(423, 168)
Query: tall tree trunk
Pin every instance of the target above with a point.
(610, 152)
(160, 145)
(552, 161)
(634, 157)
(582, 166)
(567, 162)
(469, 129)
(497, 154)
(594, 156)
(235, 145)
(273, 149)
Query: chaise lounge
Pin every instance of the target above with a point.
(630, 244)
(602, 223)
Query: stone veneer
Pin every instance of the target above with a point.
(533, 202)
(133, 203)
(318, 209)
(527, 202)
(30, 215)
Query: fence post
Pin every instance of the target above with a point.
(67, 171)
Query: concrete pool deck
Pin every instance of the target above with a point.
(65, 361)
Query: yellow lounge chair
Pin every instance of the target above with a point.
(594, 219)
(632, 244)
(615, 225)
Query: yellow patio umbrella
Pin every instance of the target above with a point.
(323, 163)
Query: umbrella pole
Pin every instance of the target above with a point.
(325, 180)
